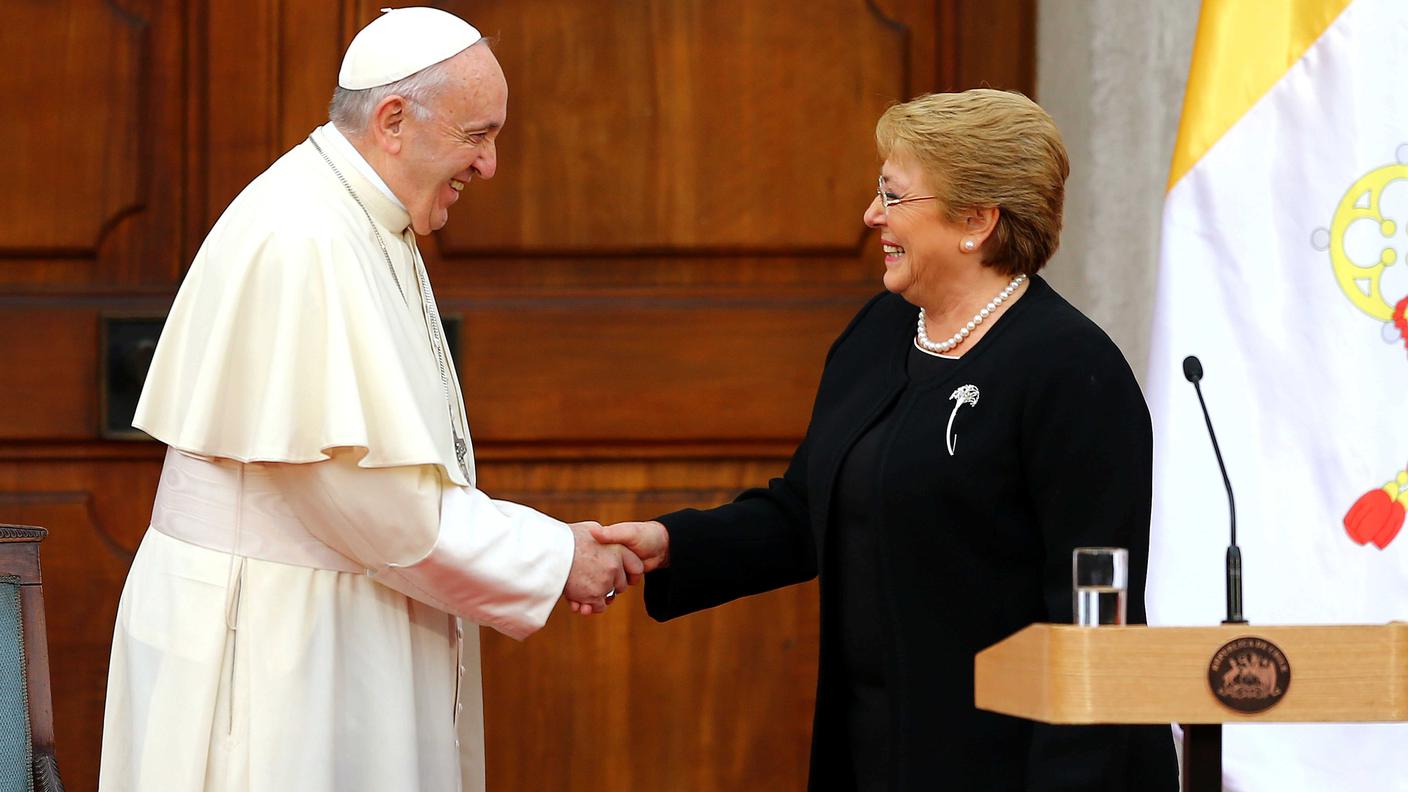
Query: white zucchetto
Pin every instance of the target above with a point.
(401, 42)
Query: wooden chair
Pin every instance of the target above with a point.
(26, 705)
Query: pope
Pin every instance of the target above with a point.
(303, 612)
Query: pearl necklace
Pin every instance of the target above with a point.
(922, 338)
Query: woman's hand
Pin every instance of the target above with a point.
(648, 540)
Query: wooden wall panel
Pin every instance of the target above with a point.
(610, 369)
(92, 181)
(987, 44)
(681, 126)
(79, 81)
(719, 700)
(49, 365)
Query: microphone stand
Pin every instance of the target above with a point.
(1202, 743)
(1234, 553)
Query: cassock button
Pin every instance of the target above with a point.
(461, 670)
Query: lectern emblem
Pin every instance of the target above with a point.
(1249, 674)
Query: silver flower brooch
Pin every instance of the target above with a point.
(967, 394)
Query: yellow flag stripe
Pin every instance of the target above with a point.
(1243, 47)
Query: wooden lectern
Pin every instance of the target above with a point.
(1063, 674)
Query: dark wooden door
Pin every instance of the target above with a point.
(644, 296)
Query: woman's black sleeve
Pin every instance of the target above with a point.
(1087, 450)
(761, 541)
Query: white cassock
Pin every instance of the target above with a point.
(292, 619)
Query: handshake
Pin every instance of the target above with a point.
(608, 558)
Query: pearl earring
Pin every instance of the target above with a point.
(969, 244)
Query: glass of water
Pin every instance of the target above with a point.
(1100, 579)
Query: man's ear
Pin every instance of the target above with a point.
(385, 126)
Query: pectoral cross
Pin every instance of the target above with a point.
(461, 448)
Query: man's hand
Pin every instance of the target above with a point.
(649, 541)
(599, 572)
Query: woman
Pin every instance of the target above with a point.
(970, 429)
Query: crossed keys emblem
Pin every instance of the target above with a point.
(967, 394)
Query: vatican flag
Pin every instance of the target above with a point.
(1283, 268)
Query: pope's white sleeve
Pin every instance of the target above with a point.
(496, 563)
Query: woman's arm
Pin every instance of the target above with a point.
(760, 542)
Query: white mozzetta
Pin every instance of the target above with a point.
(286, 339)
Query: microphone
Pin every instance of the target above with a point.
(1193, 372)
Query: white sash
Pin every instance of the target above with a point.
(235, 508)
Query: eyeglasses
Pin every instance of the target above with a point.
(887, 199)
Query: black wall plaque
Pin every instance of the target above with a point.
(128, 343)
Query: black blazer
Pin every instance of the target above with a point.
(972, 546)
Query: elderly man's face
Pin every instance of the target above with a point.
(444, 151)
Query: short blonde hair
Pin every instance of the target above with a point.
(982, 148)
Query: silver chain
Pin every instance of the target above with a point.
(384, 252)
(437, 344)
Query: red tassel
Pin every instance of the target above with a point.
(1391, 526)
(1400, 319)
(1375, 517)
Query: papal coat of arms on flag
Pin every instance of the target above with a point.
(1365, 238)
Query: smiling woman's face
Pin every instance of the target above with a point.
(920, 243)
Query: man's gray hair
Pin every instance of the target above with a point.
(351, 111)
